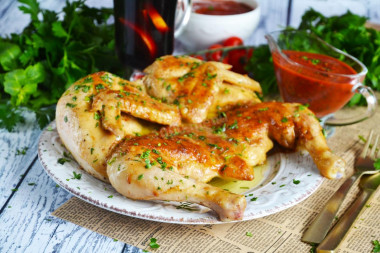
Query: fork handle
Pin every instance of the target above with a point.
(337, 234)
(321, 225)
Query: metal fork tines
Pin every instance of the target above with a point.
(364, 164)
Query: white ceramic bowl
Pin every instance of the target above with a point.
(204, 30)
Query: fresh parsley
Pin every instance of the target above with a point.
(376, 246)
(77, 175)
(51, 53)
(376, 164)
(153, 243)
(63, 160)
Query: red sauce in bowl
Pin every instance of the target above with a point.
(221, 7)
(315, 81)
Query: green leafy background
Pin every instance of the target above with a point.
(39, 64)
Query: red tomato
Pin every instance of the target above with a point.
(215, 56)
(233, 41)
(238, 59)
(200, 57)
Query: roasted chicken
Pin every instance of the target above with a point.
(177, 162)
(201, 89)
(117, 132)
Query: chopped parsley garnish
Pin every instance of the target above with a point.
(214, 145)
(145, 154)
(222, 114)
(376, 164)
(31, 184)
(97, 116)
(220, 129)
(202, 138)
(148, 165)
(77, 175)
(234, 125)
(376, 246)
(65, 119)
(210, 76)
(254, 199)
(249, 234)
(141, 176)
(296, 181)
(110, 196)
(153, 243)
(22, 151)
(282, 185)
(303, 107)
(284, 120)
(111, 161)
(263, 109)
(187, 75)
(99, 87)
(63, 160)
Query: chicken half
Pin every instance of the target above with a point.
(177, 162)
(97, 111)
(200, 89)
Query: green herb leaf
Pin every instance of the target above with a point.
(376, 246)
(153, 243)
(376, 164)
(77, 175)
(9, 54)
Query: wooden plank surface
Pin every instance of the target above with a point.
(27, 225)
(273, 17)
(13, 162)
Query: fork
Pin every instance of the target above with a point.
(363, 165)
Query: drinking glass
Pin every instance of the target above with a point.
(145, 29)
(311, 71)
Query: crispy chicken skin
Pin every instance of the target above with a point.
(117, 132)
(90, 120)
(176, 162)
(198, 87)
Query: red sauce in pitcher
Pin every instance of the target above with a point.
(314, 81)
(221, 7)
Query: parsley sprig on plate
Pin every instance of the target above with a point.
(39, 64)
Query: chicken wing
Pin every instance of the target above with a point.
(201, 89)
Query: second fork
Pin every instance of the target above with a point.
(363, 165)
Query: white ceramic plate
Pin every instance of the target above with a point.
(289, 179)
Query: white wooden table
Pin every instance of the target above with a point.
(28, 196)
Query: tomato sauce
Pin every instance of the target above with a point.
(221, 7)
(314, 81)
